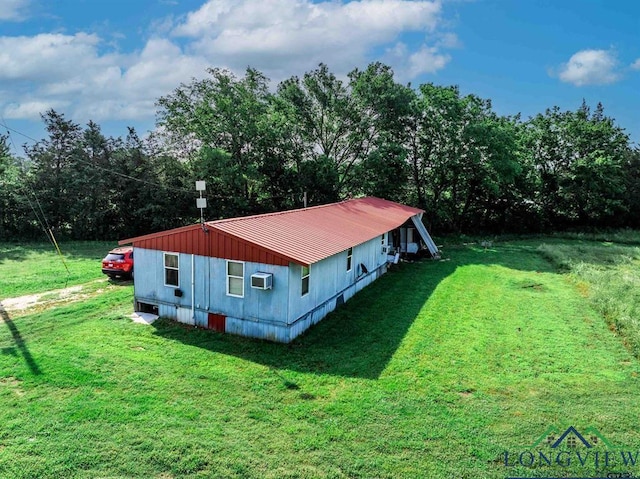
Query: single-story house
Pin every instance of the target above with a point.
(273, 275)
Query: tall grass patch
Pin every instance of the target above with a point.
(609, 275)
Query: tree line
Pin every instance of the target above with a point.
(470, 169)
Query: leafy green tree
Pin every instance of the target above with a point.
(463, 157)
(632, 189)
(327, 121)
(155, 189)
(581, 159)
(52, 169)
(223, 113)
(385, 108)
(137, 193)
(93, 213)
(15, 218)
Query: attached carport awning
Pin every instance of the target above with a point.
(424, 234)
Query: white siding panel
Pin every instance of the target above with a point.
(167, 311)
(184, 316)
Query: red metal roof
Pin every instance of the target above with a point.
(307, 235)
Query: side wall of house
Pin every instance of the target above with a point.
(279, 314)
(208, 294)
(331, 284)
(259, 313)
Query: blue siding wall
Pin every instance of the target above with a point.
(268, 305)
(329, 278)
(279, 314)
(209, 288)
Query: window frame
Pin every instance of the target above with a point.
(176, 269)
(230, 276)
(349, 259)
(302, 280)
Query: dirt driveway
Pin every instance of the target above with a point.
(49, 299)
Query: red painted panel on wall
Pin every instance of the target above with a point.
(192, 240)
(217, 322)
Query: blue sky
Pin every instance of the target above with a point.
(109, 60)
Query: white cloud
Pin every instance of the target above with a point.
(449, 40)
(91, 79)
(636, 65)
(412, 64)
(590, 67)
(31, 109)
(427, 60)
(13, 10)
(283, 36)
(55, 71)
(48, 57)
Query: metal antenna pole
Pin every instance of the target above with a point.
(201, 202)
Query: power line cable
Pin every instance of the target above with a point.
(124, 175)
(41, 220)
(48, 231)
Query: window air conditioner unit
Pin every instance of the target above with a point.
(262, 280)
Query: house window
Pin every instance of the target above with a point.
(171, 269)
(349, 258)
(235, 278)
(305, 280)
(383, 246)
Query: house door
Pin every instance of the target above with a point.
(395, 239)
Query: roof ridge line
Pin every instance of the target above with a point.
(279, 213)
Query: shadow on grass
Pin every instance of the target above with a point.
(360, 337)
(20, 346)
(356, 340)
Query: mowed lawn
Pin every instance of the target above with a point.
(35, 268)
(433, 371)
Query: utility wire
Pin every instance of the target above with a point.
(43, 221)
(4, 124)
(122, 175)
(108, 170)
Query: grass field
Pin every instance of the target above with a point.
(34, 268)
(434, 371)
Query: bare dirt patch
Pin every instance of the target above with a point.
(48, 299)
(13, 384)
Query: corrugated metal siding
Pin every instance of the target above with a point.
(330, 276)
(256, 329)
(184, 316)
(319, 312)
(213, 244)
(260, 314)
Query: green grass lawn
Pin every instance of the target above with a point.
(34, 268)
(433, 371)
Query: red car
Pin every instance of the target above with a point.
(119, 262)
